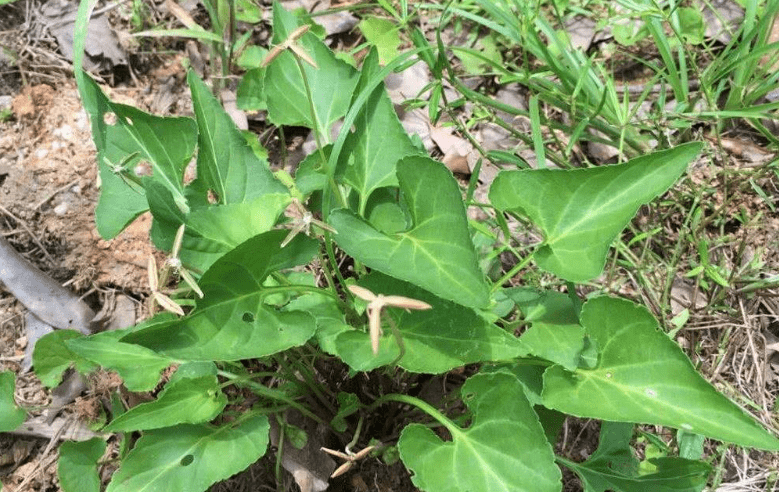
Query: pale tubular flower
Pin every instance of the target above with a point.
(303, 223)
(351, 459)
(164, 301)
(175, 263)
(376, 304)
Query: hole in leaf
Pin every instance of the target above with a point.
(248, 317)
(187, 460)
(109, 119)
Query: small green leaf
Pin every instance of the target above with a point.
(581, 211)
(251, 92)
(331, 83)
(504, 449)
(11, 416)
(383, 34)
(614, 467)
(191, 457)
(225, 164)
(185, 401)
(348, 403)
(51, 357)
(643, 376)
(436, 340)
(555, 334)
(138, 366)
(232, 321)
(436, 253)
(77, 466)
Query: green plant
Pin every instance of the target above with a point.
(400, 217)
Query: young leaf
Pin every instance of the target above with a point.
(331, 85)
(186, 401)
(436, 253)
(225, 164)
(504, 449)
(51, 357)
(191, 457)
(436, 340)
(77, 466)
(613, 467)
(139, 367)
(383, 34)
(232, 321)
(555, 334)
(371, 152)
(11, 416)
(581, 211)
(643, 376)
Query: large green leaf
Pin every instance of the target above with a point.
(614, 467)
(139, 367)
(436, 340)
(581, 211)
(436, 253)
(331, 83)
(225, 164)
(11, 416)
(214, 230)
(191, 457)
(186, 400)
(232, 321)
(371, 151)
(167, 144)
(504, 449)
(77, 466)
(643, 376)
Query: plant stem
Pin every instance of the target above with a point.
(517, 268)
(420, 404)
(271, 393)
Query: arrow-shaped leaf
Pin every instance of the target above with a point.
(643, 376)
(436, 253)
(191, 457)
(232, 321)
(581, 211)
(503, 450)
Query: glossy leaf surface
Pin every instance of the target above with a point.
(77, 467)
(190, 457)
(504, 449)
(51, 357)
(190, 401)
(436, 253)
(371, 152)
(643, 376)
(232, 321)
(226, 165)
(581, 211)
(331, 83)
(138, 366)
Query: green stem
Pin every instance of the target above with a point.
(420, 404)
(517, 268)
(271, 394)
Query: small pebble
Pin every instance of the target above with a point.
(61, 209)
(41, 153)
